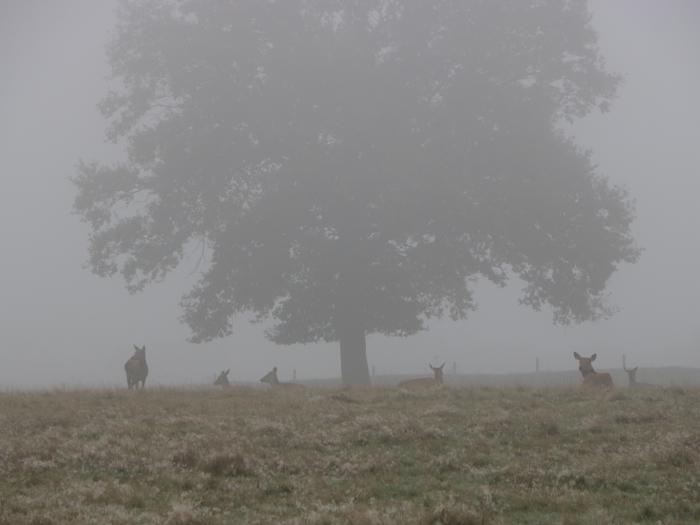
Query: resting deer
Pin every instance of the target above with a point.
(421, 382)
(271, 379)
(136, 368)
(632, 377)
(590, 376)
(222, 380)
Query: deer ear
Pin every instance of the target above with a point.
(274, 369)
(576, 356)
(442, 366)
(636, 368)
(593, 357)
(431, 366)
(136, 347)
(227, 371)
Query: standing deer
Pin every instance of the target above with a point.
(136, 368)
(271, 379)
(632, 378)
(422, 382)
(222, 380)
(590, 376)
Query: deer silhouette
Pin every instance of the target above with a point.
(271, 379)
(222, 379)
(590, 376)
(136, 368)
(422, 382)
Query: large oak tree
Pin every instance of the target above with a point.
(350, 166)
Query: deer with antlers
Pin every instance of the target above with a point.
(590, 376)
(632, 378)
(423, 382)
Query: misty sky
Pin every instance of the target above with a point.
(60, 325)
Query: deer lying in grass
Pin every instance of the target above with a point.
(632, 378)
(590, 376)
(271, 379)
(136, 368)
(222, 380)
(422, 382)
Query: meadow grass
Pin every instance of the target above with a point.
(375, 456)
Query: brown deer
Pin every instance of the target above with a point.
(590, 376)
(222, 380)
(422, 382)
(632, 378)
(136, 368)
(271, 379)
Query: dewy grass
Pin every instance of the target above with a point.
(372, 456)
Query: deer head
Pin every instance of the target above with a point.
(437, 371)
(140, 353)
(584, 364)
(631, 374)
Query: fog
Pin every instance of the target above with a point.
(62, 325)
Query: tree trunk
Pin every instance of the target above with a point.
(353, 356)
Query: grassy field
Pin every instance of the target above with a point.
(321, 456)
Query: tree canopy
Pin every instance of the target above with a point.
(350, 166)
